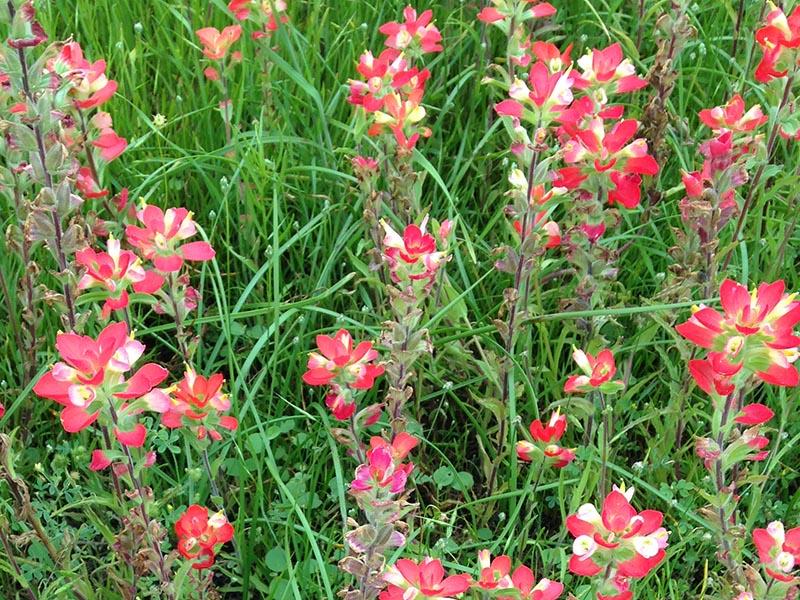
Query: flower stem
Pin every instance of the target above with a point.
(13, 561)
(604, 445)
(216, 491)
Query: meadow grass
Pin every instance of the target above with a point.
(291, 263)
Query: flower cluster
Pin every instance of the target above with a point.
(779, 39)
(545, 444)
(511, 17)
(392, 89)
(196, 402)
(416, 255)
(598, 373)
(216, 45)
(344, 368)
(424, 579)
(618, 542)
(753, 336)
(200, 535)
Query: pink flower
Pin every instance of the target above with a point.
(2, 410)
(160, 240)
(99, 461)
(631, 542)
(426, 579)
(415, 30)
(110, 144)
(115, 271)
(217, 43)
(401, 445)
(732, 116)
(779, 40)
(778, 550)
(597, 373)
(381, 473)
(755, 332)
(90, 376)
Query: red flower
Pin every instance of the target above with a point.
(160, 238)
(382, 474)
(426, 579)
(732, 116)
(402, 444)
(199, 536)
(413, 256)
(2, 410)
(415, 30)
(494, 574)
(754, 414)
(616, 534)
(709, 379)
(89, 377)
(597, 373)
(779, 39)
(778, 550)
(197, 402)
(755, 331)
(546, 438)
(338, 360)
(90, 86)
(87, 185)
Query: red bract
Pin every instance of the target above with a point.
(269, 14)
(196, 402)
(609, 539)
(545, 442)
(754, 414)
(160, 240)
(779, 40)
(426, 579)
(217, 43)
(755, 332)
(87, 186)
(604, 71)
(201, 535)
(733, 117)
(401, 445)
(778, 550)
(597, 373)
(115, 271)
(90, 377)
(415, 32)
(709, 379)
(2, 410)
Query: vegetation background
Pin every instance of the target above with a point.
(291, 262)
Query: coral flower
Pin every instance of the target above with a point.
(609, 70)
(494, 574)
(217, 43)
(618, 537)
(337, 359)
(114, 271)
(90, 377)
(733, 117)
(423, 580)
(779, 40)
(528, 588)
(201, 535)
(597, 373)
(90, 86)
(197, 402)
(110, 144)
(754, 332)
(415, 30)
(160, 240)
(87, 186)
(778, 550)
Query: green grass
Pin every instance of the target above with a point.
(289, 266)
